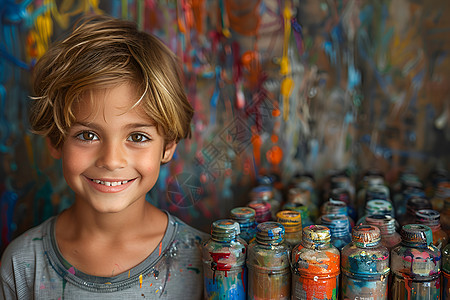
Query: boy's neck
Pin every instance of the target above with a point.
(121, 225)
(109, 244)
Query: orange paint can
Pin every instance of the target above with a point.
(315, 266)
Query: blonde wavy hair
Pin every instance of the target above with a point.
(99, 52)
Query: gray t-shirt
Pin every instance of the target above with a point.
(33, 268)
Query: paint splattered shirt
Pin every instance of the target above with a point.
(33, 268)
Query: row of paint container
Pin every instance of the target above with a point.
(251, 256)
(271, 267)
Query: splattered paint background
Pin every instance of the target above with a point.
(278, 86)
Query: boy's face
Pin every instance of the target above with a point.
(112, 155)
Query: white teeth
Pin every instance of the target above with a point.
(108, 183)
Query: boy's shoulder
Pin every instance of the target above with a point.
(21, 258)
(186, 232)
(28, 242)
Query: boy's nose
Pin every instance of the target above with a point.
(111, 157)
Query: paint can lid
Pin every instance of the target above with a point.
(428, 217)
(243, 214)
(225, 230)
(335, 207)
(316, 234)
(262, 210)
(260, 207)
(377, 192)
(299, 195)
(340, 181)
(262, 192)
(418, 203)
(409, 178)
(366, 235)
(443, 190)
(374, 172)
(378, 207)
(291, 220)
(373, 179)
(412, 192)
(265, 179)
(304, 181)
(340, 194)
(296, 207)
(385, 223)
(416, 235)
(338, 224)
(270, 233)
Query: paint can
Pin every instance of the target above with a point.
(414, 205)
(269, 274)
(303, 210)
(380, 192)
(431, 218)
(440, 193)
(292, 223)
(272, 180)
(345, 182)
(315, 266)
(262, 211)
(265, 193)
(339, 229)
(377, 207)
(390, 238)
(342, 194)
(308, 193)
(415, 265)
(334, 207)
(365, 265)
(408, 180)
(445, 287)
(299, 195)
(408, 193)
(366, 182)
(245, 216)
(224, 254)
(445, 214)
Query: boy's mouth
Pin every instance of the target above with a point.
(110, 183)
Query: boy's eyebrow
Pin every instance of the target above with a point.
(139, 125)
(128, 126)
(85, 124)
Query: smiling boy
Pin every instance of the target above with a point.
(110, 102)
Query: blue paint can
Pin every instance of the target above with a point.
(245, 216)
(339, 228)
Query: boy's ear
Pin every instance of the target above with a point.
(54, 152)
(168, 152)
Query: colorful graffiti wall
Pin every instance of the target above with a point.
(278, 86)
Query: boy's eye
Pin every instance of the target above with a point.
(138, 138)
(87, 136)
